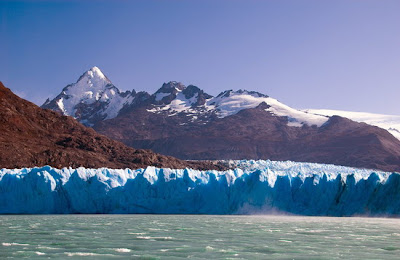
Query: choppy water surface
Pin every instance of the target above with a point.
(198, 237)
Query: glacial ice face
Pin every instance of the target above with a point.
(256, 187)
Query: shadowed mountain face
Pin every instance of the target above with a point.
(32, 136)
(187, 123)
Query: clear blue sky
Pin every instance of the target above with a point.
(342, 54)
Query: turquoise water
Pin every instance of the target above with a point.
(198, 237)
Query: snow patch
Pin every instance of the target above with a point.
(60, 105)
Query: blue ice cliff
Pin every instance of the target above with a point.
(255, 187)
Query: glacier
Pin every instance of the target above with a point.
(251, 187)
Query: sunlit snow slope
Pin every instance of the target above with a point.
(93, 97)
(259, 187)
(388, 122)
(230, 102)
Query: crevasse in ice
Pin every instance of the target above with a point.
(254, 187)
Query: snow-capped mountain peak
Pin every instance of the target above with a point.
(168, 92)
(93, 79)
(93, 85)
(93, 97)
(96, 72)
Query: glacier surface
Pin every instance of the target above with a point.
(254, 187)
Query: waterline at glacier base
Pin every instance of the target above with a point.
(255, 187)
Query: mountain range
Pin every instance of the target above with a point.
(32, 136)
(185, 122)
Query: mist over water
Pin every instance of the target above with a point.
(198, 237)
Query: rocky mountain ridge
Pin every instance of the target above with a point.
(93, 98)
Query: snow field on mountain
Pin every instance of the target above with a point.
(254, 187)
(236, 101)
(388, 122)
(179, 104)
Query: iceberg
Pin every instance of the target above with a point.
(251, 187)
